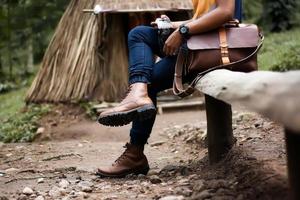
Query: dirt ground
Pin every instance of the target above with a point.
(61, 163)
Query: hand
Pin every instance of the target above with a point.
(165, 17)
(173, 43)
(162, 22)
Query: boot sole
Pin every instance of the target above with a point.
(124, 118)
(143, 171)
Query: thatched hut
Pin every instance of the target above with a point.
(87, 56)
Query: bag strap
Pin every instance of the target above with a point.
(178, 88)
(224, 46)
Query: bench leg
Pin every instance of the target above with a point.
(219, 128)
(293, 159)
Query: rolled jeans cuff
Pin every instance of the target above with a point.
(138, 79)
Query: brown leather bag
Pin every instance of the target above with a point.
(234, 46)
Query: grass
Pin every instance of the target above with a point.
(11, 103)
(19, 123)
(277, 47)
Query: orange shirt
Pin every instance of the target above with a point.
(203, 6)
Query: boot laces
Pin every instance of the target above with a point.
(123, 155)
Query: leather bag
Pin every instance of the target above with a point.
(234, 46)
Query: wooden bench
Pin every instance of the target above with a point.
(274, 95)
(179, 104)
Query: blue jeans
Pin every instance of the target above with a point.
(143, 44)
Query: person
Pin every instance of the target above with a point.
(147, 78)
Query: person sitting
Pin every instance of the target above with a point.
(147, 78)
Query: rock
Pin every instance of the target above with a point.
(158, 143)
(9, 155)
(183, 182)
(184, 171)
(152, 172)
(40, 180)
(85, 186)
(57, 192)
(3, 198)
(62, 176)
(193, 177)
(104, 186)
(169, 168)
(145, 184)
(203, 195)
(223, 192)
(185, 191)
(141, 196)
(66, 198)
(27, 191)
(240, 197)
(199, 186)
(22, 197)
(154, 179)
(215, 184)
(78, 179)
(40, 131)
(40, 198)
(82, 195)
(141, 176)
(172, 198)
(11, 170)
(64, 183)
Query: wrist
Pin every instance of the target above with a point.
(184, 30)
(175, 25)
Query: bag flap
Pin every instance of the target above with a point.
(244, 36)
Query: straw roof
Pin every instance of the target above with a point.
(145, 5)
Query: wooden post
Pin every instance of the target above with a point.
(293, 159)
(219, 128)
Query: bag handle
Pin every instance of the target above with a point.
(178, 88)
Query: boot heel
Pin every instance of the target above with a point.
(146, 112)
(143, 171)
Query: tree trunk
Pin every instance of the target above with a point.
(1, 68)
(9, 47)
(29, 66)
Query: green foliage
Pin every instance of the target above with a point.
(26, 28)
(6, 87)
(273, 16)
(22, 127)
(290, 61)
(279, 15)
(280, 49)
(252, 10)
(89, 109)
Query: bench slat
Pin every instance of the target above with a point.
(272, 94)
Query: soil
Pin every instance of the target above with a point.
(62, 162)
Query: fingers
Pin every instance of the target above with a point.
(165, 17)
(169, 50)
(153, 24)
(172, 44)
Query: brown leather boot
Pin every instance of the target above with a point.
(132, 161)
(136, 104)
